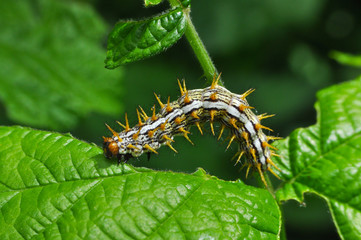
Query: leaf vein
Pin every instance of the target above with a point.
(178, 207)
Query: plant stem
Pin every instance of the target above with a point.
(200, 50)
(197, 45)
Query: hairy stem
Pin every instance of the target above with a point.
(197, 45)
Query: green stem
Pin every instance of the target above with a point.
(197, 45)
(200, 50)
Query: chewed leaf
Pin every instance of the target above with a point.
(135, 40)
(326, 158)
(55, 186)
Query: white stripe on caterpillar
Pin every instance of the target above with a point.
(214, 103)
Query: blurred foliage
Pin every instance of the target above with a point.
(281, 48)
(52, 70)
(149, 3)
(346, 59)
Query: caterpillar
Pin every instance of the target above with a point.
(193, 107)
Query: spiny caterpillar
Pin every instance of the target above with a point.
(214, 103)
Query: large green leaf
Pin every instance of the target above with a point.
(326, 158)
(51, 58)
(55, 186)
(135, 40)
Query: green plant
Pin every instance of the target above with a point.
(54, 185)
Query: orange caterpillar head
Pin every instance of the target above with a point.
(110, 147)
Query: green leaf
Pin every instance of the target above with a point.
(149, 3)
(346, 59)
(186, 3)
(135, 40)
(52, 72)
(326, 158)
(55, 186)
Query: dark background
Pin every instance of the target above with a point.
(280, 48)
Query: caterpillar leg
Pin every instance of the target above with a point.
(123, 158)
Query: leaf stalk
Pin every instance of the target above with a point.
(197, 45)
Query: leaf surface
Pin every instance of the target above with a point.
(326, 158)
(149, 3)
(55, 186)
(131, 41)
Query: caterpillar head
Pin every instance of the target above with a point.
(111, 149)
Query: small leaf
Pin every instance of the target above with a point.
(186, 3)
(346, 59)
(149, 3)
(326, 158)
(55, 186)
(135, 40)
